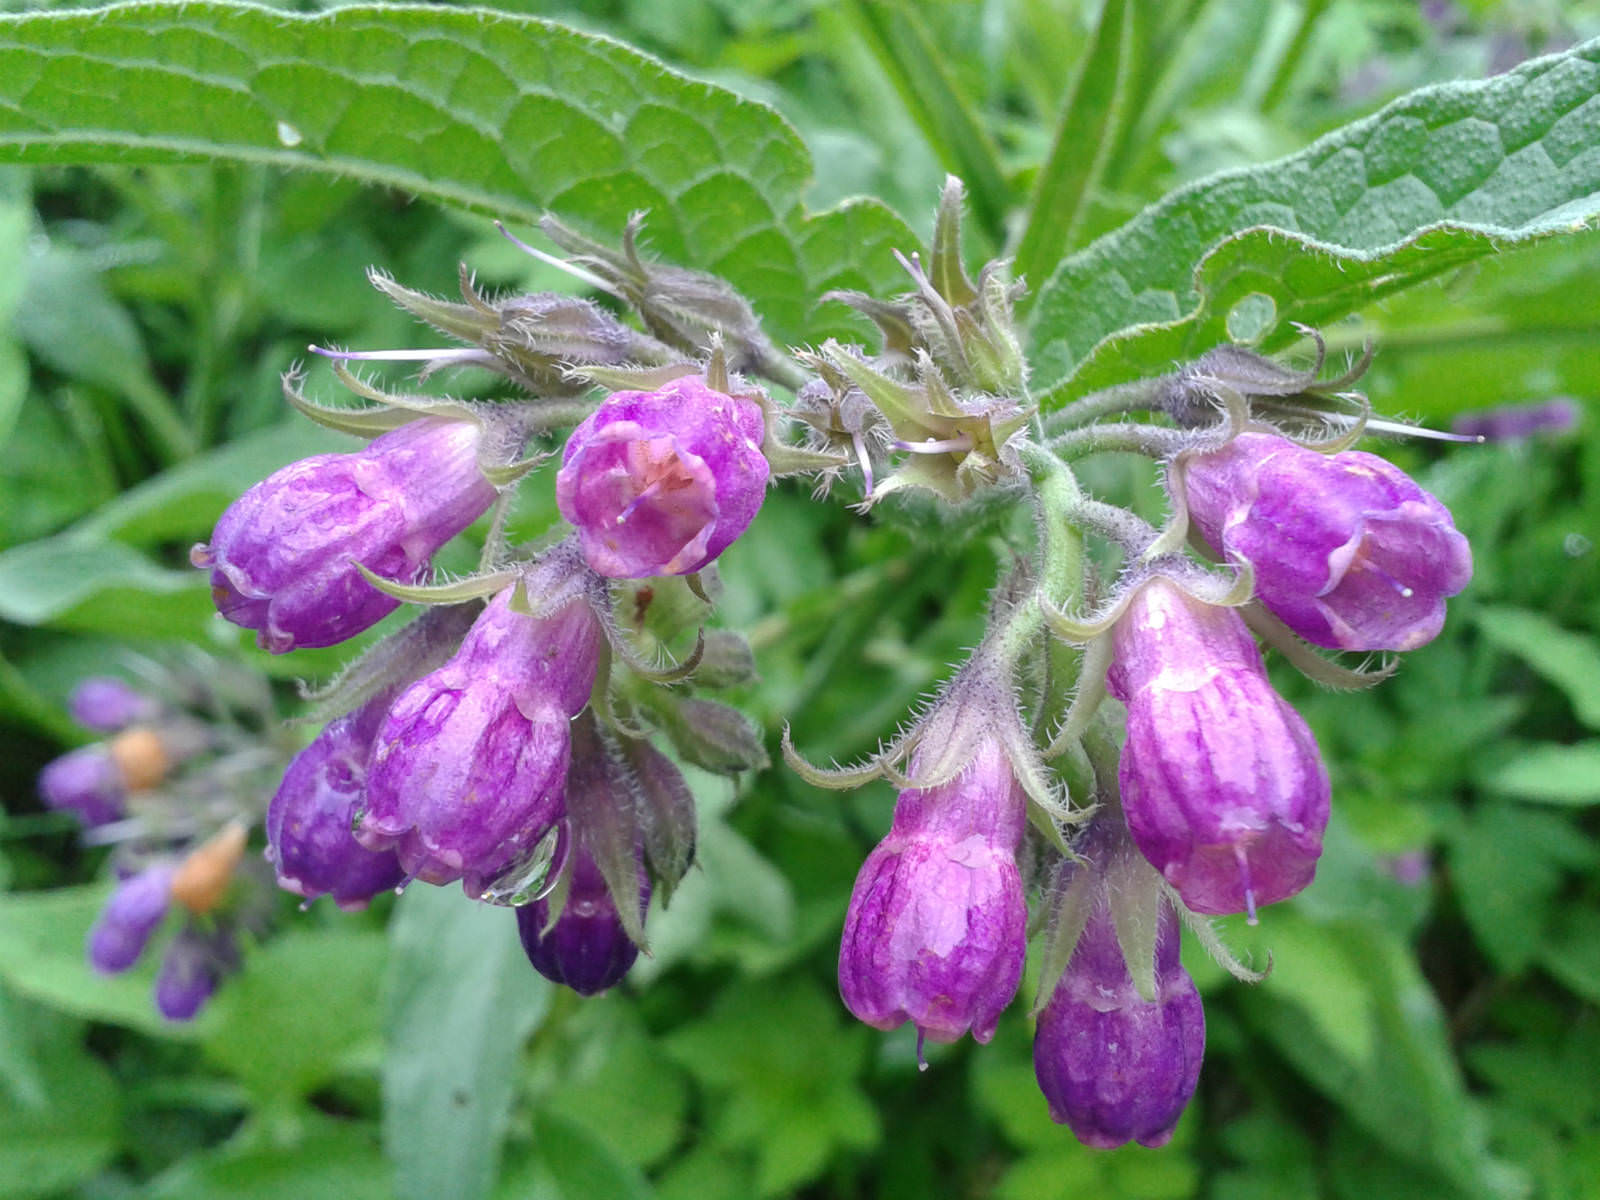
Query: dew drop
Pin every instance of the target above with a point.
(289, 135)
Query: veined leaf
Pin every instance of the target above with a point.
(506, 115)
(1435, 180)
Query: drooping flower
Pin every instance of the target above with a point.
(660, 483)
(131, 916)
(190, 971)
(468, 768)
(586, 948)
(106, 704)
(308, 823)
(1115, 1066)
(1348, 551)
(936, 930)
(86, 783)
(283, 559)
(1224, 789)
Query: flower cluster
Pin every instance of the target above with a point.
(173, 788)
(500, 739)
(1113, 755)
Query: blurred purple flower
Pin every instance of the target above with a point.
(85, 782)
(130, 918)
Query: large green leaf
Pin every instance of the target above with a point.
(503, 114)
(460, 998)
(1439, 178)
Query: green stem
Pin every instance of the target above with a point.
(1153, 441)
(1134, 396)
(1290, 62)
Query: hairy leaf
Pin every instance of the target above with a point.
(502, 114)
(1439, 178)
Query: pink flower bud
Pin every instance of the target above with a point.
(936, 931)
(283, 557)
(1223, 787)
(1348, 551)
(468, 770)
(660, 483)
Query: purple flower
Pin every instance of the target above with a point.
(1516, 422)
(468, 769)
(936, 931)
(308, 823)
(131, 916)
(586, 949)
(1222, 784)
(660, 483)
(283, 557)
(85, 782)
(1348, 551)
(1112, 1065)
(106, 704)
(190, 971)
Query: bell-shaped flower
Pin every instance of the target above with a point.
(936, 929)
(1224, 789)
(1113, 1065)
(130, 918)
(468, 769)
(1348, 551)
(585, 947)
(284, 557)
(660, 483)
(85, 782)
(106, 704)
(309, 840)
(191, 970)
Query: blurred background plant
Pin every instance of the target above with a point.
(1430, 1028)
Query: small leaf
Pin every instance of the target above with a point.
(1439, 178)
(1551, 774)
(1569, 660)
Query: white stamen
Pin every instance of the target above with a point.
(450, 354)
(560, 264)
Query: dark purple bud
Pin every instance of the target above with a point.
(131, 916)
(660, 483)
(1222, 784)
(283, 557)
(1115, 1066)
(85, 782)
(309, 838)
(1516, 422)
(468, 769)
(587, 949)
(191, 969)
(936, 931)
(1348, 551)
(106, 704)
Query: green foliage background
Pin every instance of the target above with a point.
(1429, 1039)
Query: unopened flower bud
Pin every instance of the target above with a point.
(1115, 1066)
(1223, 787)
(203, 877)
(283, 557)
(936, 930)
(106, 704)
(468, 768)
(309, 837)
(142, 757)
(131, 916)
(86, 783)
(1348, 551)
(190, 971)
(586, 948)
(660, 483)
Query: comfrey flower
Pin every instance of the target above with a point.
(191, 969)
(1348, 551)
(660, 483)
(936, 930)
(308, 823)
(85, 782)
(106, 704)
(283, 559)
(1115, 1066)
(1223, 787)
(468, 769)
(130, 918)
(585, 947)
